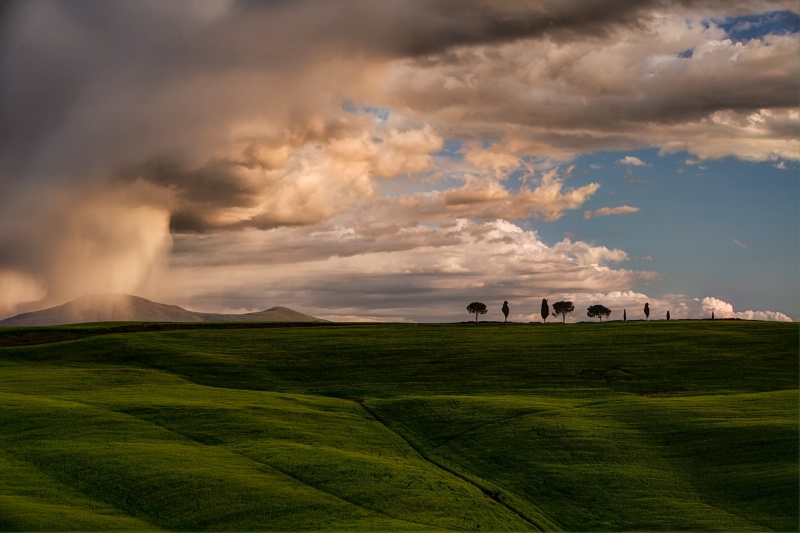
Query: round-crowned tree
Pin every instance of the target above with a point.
(505, 310)
(599, 311)
(478, 308)
(562, 308)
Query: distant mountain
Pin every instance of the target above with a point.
(127, 308)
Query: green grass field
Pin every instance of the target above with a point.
(681, 425)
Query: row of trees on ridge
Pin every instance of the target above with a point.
(559, 308)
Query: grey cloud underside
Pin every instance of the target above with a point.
(413, 28)
(558, 109)
(297, 246)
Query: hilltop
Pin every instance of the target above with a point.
(129, 308)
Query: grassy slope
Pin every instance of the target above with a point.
(679, 425)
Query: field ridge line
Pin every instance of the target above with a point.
(339, 497)
(479, 429)
(450, 471)
(78, 491)
(228, 447)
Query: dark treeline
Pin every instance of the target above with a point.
(562, 308)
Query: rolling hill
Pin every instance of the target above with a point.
(659, 426)
(128, 308)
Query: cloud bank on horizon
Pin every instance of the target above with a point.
(399, 159)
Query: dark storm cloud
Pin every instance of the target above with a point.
(412, 28)
(56, 55)
(199, 193)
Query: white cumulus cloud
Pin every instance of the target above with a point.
(423, 272)
(723, 309)
(633, 161)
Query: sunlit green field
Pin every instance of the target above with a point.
(681, 425)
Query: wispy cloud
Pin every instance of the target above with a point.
(740, 244)
(607, 211)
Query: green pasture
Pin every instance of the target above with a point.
(680, 425)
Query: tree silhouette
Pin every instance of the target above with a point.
(598, 310)
(647, 310)
(624, 315)
(667, 315)
(545, 310)
(505, 310)
(562, 308)
(477, 308)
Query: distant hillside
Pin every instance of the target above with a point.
(274, 314)
(128, 308)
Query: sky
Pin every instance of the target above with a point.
(398, 160)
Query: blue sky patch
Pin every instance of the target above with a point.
(451, 149)
(381, 113)
(750, 27)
